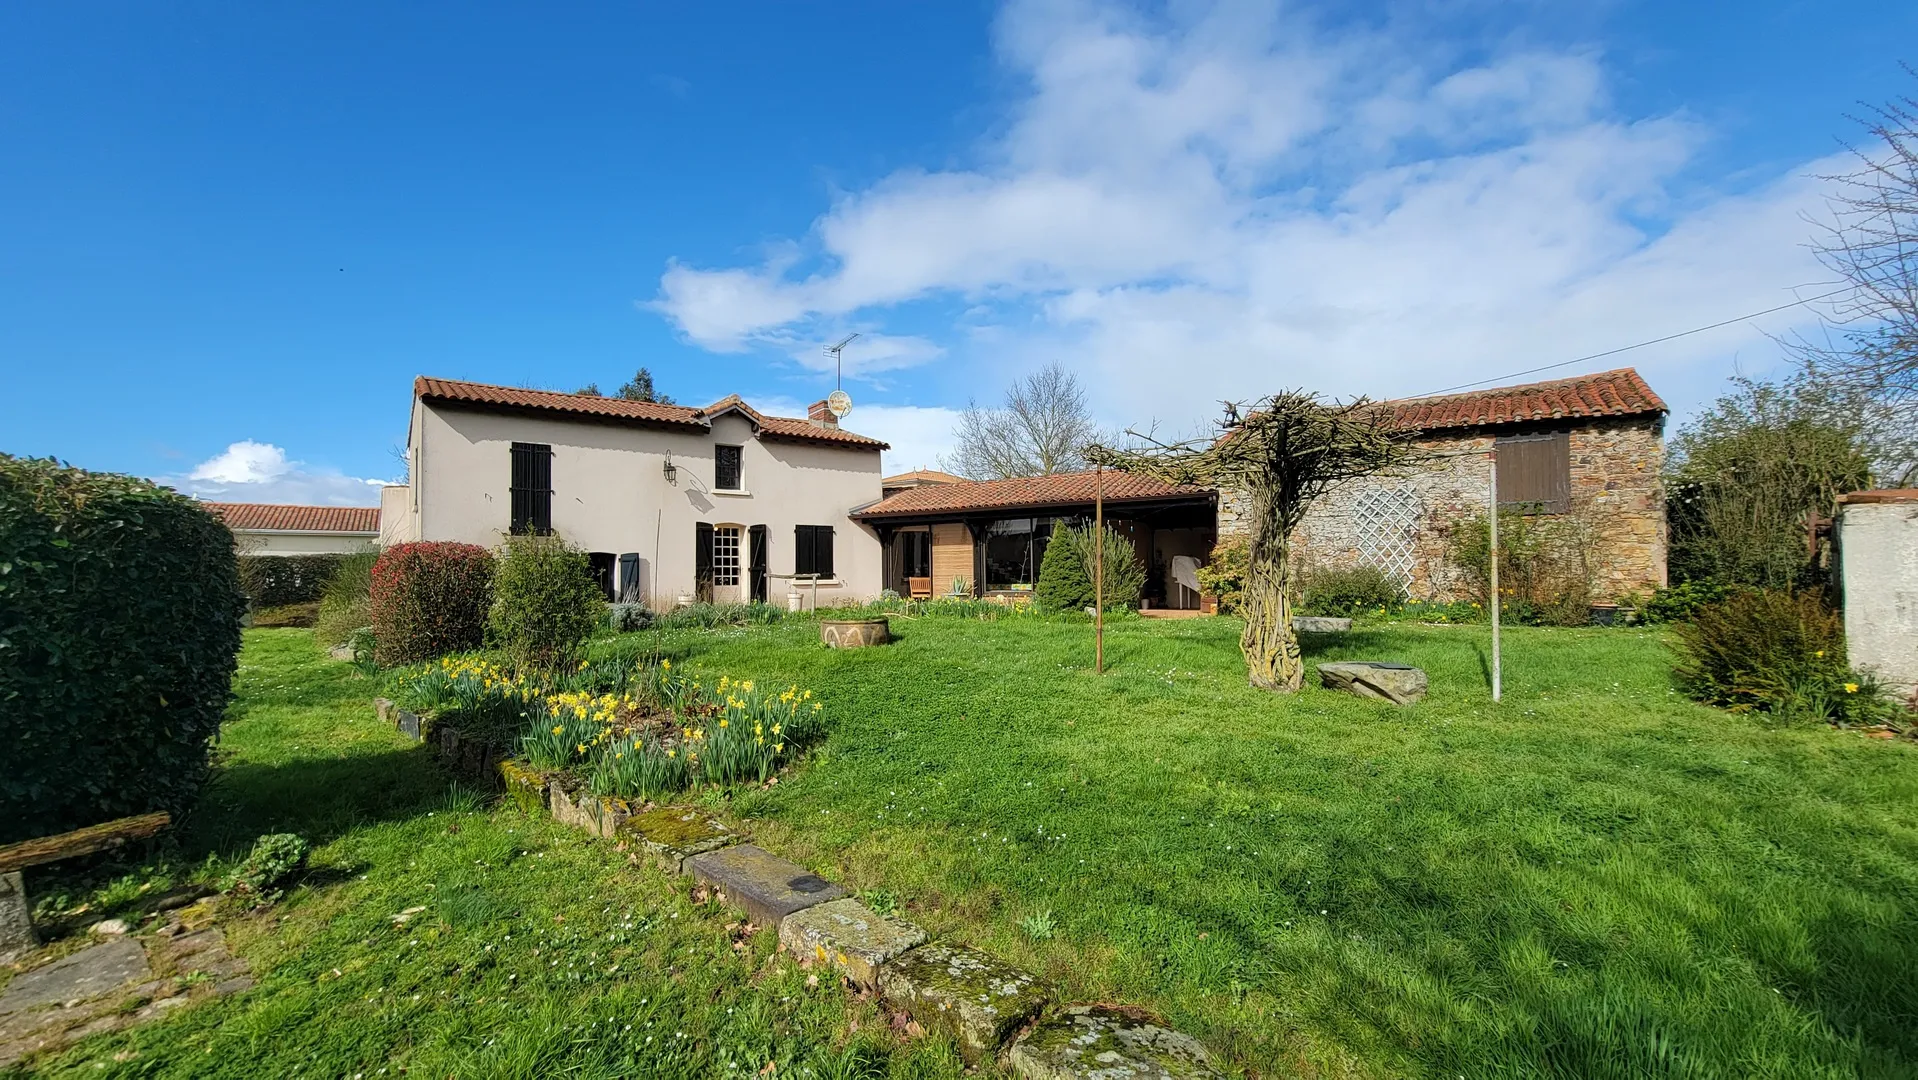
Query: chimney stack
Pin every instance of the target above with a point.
(821, 416)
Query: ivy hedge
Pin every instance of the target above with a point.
(120, 609)
(274, 580)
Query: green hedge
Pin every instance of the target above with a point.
(120, 610)
(273, 580)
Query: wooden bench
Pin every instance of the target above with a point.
(16, 916)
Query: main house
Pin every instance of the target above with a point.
(721, 503)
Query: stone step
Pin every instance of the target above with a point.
(1085, 1042)
(673, 834)
(765, 886)
(849, 936)
(979, 998)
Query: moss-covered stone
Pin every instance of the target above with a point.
(525, 786)
(765, 886)
(1086, 1041)
(849, 936)
(979, 998)
(673, 834)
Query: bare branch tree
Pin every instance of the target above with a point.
(1286, 451)
(1871, 241)
(1043, 427)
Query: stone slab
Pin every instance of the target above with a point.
(1400, 684)
(525, 786)
(385, 709)
(16, 919)
(849, 936)
(1092, 1041)
(766, 886)
(86, 974)
(979, 998)
(673, 834)
(410, 724)
(1320, 624)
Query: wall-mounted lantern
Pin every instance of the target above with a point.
(672, 471)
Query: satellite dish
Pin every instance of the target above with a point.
(839, 403)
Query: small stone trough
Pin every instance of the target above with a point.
(993, 1010)
(855, 633)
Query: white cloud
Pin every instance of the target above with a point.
(919, 435)
(1223, 205)
(249, 471)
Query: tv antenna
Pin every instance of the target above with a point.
(839, 403)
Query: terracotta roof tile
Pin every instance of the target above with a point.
(922, 476)
(1037, 492)
(1607, 393)
(644, 412)
(281, 517)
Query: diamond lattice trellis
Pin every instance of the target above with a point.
(1387, 520)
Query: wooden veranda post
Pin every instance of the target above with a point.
(1098, 569)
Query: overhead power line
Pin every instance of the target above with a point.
(1640, 345)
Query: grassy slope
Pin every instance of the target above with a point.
(1593, 879)
(539, 953)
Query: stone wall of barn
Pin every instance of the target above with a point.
(1403, 524)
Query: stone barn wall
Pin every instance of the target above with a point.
(1403, 524)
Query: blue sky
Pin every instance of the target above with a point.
(231, 234)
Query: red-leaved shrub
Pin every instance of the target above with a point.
(429, 599)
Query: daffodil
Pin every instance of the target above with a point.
(1851, 688)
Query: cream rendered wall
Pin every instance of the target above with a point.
(398, 523)
(610, 493)
(1878, 553)
(287, 542)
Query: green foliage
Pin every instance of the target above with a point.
(429, 599)
(1224, 573)
(347, 603)
(627, 618)
(1066, 572)
(274, 858)
(545, 602)
(640, 388)
(274, 580)
(120, 610)
(1745, 476)
(1778, 651)
(301, 615)
(1679, 602)
(1355, 590)
(1039, 926)
(707, 616)
(1545, 566)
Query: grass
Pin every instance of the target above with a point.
(1595, 878)
(435, 937)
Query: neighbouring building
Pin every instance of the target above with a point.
(893, 485)
(1590, 448)
(722, 503)
(1878, 571)
(278, 529)
(988, 537)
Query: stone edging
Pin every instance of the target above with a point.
(992, 1009)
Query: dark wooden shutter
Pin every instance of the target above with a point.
(757, 547)
(532, 488)
(629, 578)
(812, 550)
(703, 561)
(1535, 473)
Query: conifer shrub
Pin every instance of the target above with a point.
(120, 609)
(1066, 571)
(429, 599)
(545, 601)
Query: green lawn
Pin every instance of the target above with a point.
(537, 953)
(1593, 879)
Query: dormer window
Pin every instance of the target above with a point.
(728, 473)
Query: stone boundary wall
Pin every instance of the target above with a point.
(1616, 489)
(994, 1011)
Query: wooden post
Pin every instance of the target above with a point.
(1098, 569)
(1496, 672)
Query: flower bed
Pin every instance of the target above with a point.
(631, 732)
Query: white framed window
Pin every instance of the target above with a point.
(726, 555)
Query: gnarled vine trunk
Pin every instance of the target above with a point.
(1272, 659)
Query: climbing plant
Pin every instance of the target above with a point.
(1285, 451)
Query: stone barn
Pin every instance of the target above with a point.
(1591, 447)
